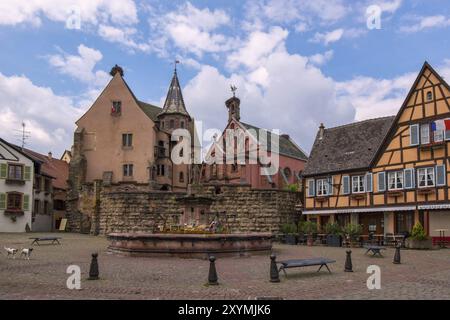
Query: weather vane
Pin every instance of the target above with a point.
(175, 64)
(233, 89)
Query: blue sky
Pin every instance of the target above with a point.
(296, 63)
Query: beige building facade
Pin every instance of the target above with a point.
(123, 140)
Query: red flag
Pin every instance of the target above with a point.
(447, 124)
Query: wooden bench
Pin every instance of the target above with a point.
(298, 263)
(43, 239)
(374, 249)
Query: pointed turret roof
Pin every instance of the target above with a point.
(174, 100)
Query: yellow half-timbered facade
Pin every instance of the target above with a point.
(386, 173)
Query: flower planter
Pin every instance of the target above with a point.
(333, 240)
(419, 244)
(290, 239)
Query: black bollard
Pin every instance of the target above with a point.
(397, 254)
(212, 276)
(348, 262)
(274, 275)
(93, 270)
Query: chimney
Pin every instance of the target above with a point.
(50, 155)
(321, 131)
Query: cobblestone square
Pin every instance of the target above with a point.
(421, 275)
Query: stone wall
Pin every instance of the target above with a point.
(136, 208)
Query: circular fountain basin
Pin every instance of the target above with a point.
(190, 245)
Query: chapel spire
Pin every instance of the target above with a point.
(174, 103)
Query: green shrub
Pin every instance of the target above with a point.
(289, 228)
(309, 227)
(292, 187)
(418, 233)
(352, 230)
(333, 228)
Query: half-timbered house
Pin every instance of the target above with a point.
(387, 173)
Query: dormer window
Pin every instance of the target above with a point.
(116, 108)
(172, 124)
(429, 96)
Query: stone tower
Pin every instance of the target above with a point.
(234, 110)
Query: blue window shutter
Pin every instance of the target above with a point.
(425, 134)
(381, 181)
(311, 185)
(369, 182)
(440, 175)
(330, 186)
(414, 134)
(346, 184)
(409, 178)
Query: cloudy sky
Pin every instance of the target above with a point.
(296, 63)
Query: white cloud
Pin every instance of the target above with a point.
(416, 24)
(191, 29)
(257, 47)
(81, 66)
(320, 59)
(50, 118)
(283, 92)
(389, 6)
(123, 36)
(13, 12)
(372, 97)
(328, 37)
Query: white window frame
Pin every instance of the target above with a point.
(346, 178)
(361, 182)
(128, 170)
(424, 172)
(322, 187)
(397, 175)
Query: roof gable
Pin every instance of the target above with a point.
(414, 105)
(149, 110)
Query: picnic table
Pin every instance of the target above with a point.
(43, 239)
(298, 263)
(374, 249)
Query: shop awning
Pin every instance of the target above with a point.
(434, 206)
(359, 210)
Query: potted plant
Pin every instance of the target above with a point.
(309, 228)
(289, 231)
(333, 231)
(418, 238)
(352, 233)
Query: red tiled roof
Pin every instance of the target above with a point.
(55, 168)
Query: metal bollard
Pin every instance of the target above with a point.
(212, 276)
(397, 257)
(274, 275)
(348, 262)
(93, 270)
